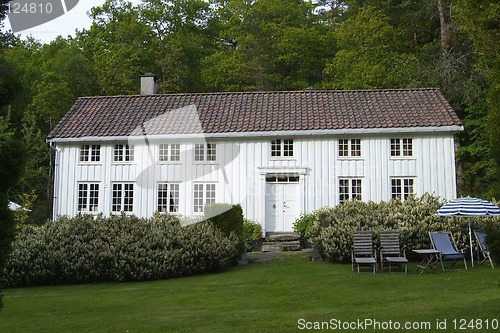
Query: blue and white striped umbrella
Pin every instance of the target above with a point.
(469, 207)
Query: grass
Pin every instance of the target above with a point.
(268, 297)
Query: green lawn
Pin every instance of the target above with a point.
(284, 295)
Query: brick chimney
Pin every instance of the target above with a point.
(148, 84)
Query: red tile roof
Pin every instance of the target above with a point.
(255, 112)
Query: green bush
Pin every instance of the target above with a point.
(228, 218)
(119, 248)
(493, 239)
(302, 225)
(251, 231)
(332, 230)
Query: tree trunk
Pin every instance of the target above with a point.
(445, 26)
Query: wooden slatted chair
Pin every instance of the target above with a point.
(363, 252)
(391, 252)
(482, 247)
(444, 242)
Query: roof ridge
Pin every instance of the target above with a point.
(261, 92)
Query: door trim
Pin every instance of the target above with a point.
(269, 171)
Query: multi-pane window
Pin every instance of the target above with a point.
(168, 197)
(204, 194)
(90, 153)
(401, 147)
(282, 148)
(199, 152)
(401, 188)
(88, 197)
(123, 153)
(349, 189)
(169, 152)
(123, 197)
(211, 151)
(350, 147)
(205, 152)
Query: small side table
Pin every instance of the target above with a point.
(430, 257)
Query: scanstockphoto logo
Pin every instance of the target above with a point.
(186, 158)
(26, 14)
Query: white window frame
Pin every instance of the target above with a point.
(90, 153)
(85, 198)
(405, 187)
(203, 194)
(168, 203)
(353, 148)
(401, 148)
(282, 149)
(169, 153)
(124, 201)
(123, 153)
(350, 188)
(205, 152)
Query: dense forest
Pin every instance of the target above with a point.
(242, 45)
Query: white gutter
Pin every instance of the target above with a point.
(347, 131)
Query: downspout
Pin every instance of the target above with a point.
(53, 172)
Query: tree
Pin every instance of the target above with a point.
(50, 77)
(11, 165)
(372, 54)
(480, 21)
(267, 45)
(11, 150)
(64, 58)
(119, 45)
(183, 34)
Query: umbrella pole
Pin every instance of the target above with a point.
(470, 240)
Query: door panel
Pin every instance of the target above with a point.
(291, 207)
(273, 206)
(282, 206)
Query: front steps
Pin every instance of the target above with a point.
(278, 242)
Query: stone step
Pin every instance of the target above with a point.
(278, 246)
(282, 237)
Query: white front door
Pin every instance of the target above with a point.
(282, 206)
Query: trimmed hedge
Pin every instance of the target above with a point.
(228, 218)
(331, 232)
(118, 248)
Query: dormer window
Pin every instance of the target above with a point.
(281, 148)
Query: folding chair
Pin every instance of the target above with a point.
(482, 247)
(444, 242)
(363, 253)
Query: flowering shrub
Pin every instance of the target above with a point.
(331, 233)
(118, 248)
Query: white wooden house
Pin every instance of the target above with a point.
(278, 154)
